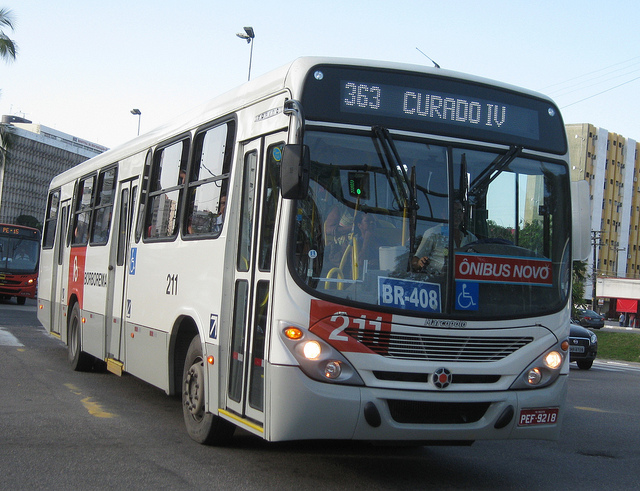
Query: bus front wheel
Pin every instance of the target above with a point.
(79, 360)
(204, 427)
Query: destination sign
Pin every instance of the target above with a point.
(433, 104)
(18, 231)
(440, 107)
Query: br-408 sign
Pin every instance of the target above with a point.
(408, 294)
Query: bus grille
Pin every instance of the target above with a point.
(439, 348)
(420, 412)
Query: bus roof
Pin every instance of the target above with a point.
(290, 76)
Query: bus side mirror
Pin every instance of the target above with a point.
(294, 171)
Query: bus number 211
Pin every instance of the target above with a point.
(172, 284)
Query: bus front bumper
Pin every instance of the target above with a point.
(301, 408)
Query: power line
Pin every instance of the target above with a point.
(577, 87)
(544, 89)
(607, 90)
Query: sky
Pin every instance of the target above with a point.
(82, 65)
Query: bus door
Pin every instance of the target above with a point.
(250, 322)
(117, 307)
(58, 271)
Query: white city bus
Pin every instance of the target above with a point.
(336, 250)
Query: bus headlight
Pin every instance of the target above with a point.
(317, 358)
(311, 350)
(543, 371)
(553, 360)
(333, 369)
(534, 376)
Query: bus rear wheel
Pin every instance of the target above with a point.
(79, 360)
(203, 427)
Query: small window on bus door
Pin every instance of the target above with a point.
(269, 205)
(51, 220)
(209, 181)
(144, 190)
(104, 206)
(168, 176)
(82, 211)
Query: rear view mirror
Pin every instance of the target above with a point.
(294, 171)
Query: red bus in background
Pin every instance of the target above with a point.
(19, 257)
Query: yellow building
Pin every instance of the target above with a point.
(610, 163)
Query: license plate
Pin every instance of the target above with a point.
(541, 416)
(576, 349)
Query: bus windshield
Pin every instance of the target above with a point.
(18, 255)
(414, 225)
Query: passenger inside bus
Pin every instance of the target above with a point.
(222, 207)
(337, 228)
(369, 238)
(433, 251)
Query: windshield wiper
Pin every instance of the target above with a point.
(394, 167)
(493, 170)
(405, 188)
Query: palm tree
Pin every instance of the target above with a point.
(6, 143)
(8, 48)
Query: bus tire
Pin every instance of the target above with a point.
(79, 360)
(21, 300)
(203, 427)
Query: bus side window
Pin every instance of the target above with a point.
(51, 220)
(208, 181)
(83, 209)
(167, 181)
(104, 206)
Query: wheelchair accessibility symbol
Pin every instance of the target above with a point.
(467, 294)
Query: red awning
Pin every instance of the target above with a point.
(627, 305)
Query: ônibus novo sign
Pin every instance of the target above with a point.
(503, 269)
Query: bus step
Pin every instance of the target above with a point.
(115, 366)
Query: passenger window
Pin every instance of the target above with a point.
(104, 206)
(209, 181)
(51, 220)
(168, 177)
(83, 209)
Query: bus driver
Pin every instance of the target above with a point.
(433, 250)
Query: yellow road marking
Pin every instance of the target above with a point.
(592, 409)
(94, 408)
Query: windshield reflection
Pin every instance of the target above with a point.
(410, 225)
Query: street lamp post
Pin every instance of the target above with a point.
(136, 112)
(249, 35)
(595, 243)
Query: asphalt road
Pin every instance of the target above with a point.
(65, 430)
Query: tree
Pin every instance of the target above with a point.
(8, 50)
(577, 285)
(29, 221)
(6, 143)
(8, 47)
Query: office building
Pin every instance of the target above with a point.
(36, 154)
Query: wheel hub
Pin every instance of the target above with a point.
(194, 389)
